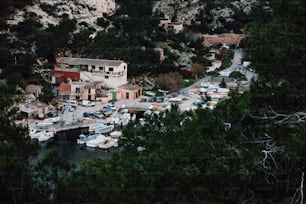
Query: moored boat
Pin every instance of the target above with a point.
(85, 138)
(95, 142)
(115, 134)
(41, 135)
(101, 128)
(108, 143)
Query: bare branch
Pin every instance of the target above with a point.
(297, 118)
(299, 194)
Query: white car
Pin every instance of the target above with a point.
(88, 103)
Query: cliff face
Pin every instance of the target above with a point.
(186, 11)
(49, 12)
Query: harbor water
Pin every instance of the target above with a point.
(66, 144)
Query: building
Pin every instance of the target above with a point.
(111, 73)
(175, 27)
(34, 109)
(164, 22)
(36, 90)
(130, 91)
(78, 90)
(170, 26)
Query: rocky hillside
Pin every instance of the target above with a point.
(50, 12)
(220, 11)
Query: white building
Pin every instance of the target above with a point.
(112, 73)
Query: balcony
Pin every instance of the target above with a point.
(77, 93)
(67, 69)
(110, 73)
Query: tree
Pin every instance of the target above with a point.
(170, 81)
(223, 84)
(197, 70)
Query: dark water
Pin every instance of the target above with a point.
(66, 144)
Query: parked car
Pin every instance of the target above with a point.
(152, 99)
(143, 100)
(160, 99)
(198, 102)
(72, 103)
(87, 114)
(87, 103)
(98, 115)
(107, 113)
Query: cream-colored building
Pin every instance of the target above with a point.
(111, 73)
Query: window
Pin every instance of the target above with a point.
(111, 69)
(101, 68)
(77, 90)
(93, 66)
(106, 77)
(127, 95)
(89, 90)
(124, 67)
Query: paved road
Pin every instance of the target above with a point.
(237, 66)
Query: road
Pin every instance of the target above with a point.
(237, 66)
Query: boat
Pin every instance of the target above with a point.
(108, 143)
(95, 142)
(85, 138)
(115, 134)
(41, 135)
(125, 118)
(100, 128)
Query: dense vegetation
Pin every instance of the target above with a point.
(250, 149)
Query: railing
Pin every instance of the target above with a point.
(67, 69)
(77, 93)
(110, 73)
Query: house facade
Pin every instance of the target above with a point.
(33, 109)
(78, 90)
(111, 73)
(170, 26)
(130, 91)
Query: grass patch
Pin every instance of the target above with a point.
(187, 82)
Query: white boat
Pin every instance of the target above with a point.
(100, 139)
(108, 143)
(100, 128)
(115, 134)
(125, 118)
(41, 135)
(85, 138)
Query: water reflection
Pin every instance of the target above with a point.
(66, 144)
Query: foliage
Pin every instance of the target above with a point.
(197, 70)
(249, 149)
(222, 84)
(277, 52)
(170, 81)
(237, 75)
